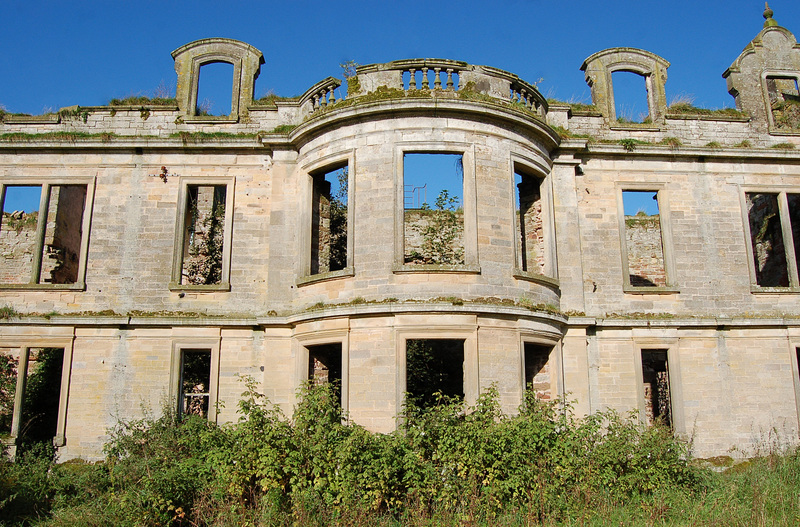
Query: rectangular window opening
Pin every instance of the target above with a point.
(433, 220)
(630, 97)
(655, 379)
(329, 220)
(325, 366)
(434, 367)
(195, 382)
(529, 223)
(766, 237)
(42, 248)
(784, 101)
(203, 235)
(214, 89)
(36, 420)
(643, 239)
(539, 371)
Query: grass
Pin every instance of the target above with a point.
(21, 137)
(683, 104)
(143, 100)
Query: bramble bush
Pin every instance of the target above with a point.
(446, 464)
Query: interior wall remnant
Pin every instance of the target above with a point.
(530, 224)
(766, 236)
(325, 366)
(539, 370)
(204, 235)
(645, 247)
(655, 378)
(329, 221)
(63, 234)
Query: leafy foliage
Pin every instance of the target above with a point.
(441, 234)
(447, 465)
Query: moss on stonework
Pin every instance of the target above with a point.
(21, 137)
(197, 137)
(270, 99)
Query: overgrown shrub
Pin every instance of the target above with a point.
(446, 465)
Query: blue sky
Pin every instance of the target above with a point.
(59, 53)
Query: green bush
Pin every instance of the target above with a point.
(447, 464)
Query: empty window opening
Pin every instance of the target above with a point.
(643, 239)
(214, 89)
(539, 371)
(433, 367)
(195, 382)
(630, 97)
(204, 235)
(42, 248)
(329, 221)
(784, 101)
(766, 237)
(655, 379)
(38, 379)
(433, 232)
(325, 366)
(529, 222)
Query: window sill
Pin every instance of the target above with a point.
(210, 119)
(536, 278)
(774, 290)
(650, 290)
(175, 286)
(436, 268)
(44, 287)
(324, 277)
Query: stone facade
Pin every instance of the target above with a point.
(542, 297)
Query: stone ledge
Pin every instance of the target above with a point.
(649, 290)
(536, 278)
(436, 268)
(78, 286)
(191, 288)
(324, 277)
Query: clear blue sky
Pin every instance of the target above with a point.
(60, 53)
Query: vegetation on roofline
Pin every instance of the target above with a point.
(270, 98)
(21, 137)
(143, 100)
(689, 109)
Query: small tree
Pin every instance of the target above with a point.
(441, 233)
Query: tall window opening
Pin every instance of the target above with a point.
(784, 101)
(214, 89)
(42, 247)
(774, 223)
(329, 220)
(434, 366)
(643, 239)
(655, 378)
(630, 97)
(539, 370)
(195, 382)
(204, 235)
(529, 223)
(433, 197)
(325, 366)
(30, 392)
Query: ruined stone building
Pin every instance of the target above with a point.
(173, 252)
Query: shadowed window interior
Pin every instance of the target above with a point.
(433, 367)
(195, 382)
(655, 378)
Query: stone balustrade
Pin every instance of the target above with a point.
(320, 95)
